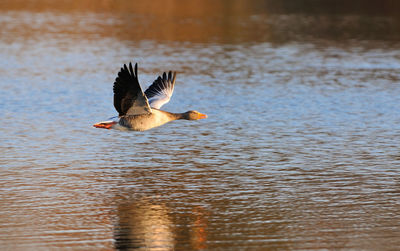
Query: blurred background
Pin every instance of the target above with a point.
(300, 149)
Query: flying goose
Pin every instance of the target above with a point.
(140, 111)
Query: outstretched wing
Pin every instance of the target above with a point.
(160, 92)
(128, 96)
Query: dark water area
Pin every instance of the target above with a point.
(300, 149)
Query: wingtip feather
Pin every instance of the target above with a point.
(136, 69)
(173, 78)
(130, 68)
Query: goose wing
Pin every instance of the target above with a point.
(129, 98)
(160, 92)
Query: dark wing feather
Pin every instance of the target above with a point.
(160, 92)
(128, 96)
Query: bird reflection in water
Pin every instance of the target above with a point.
(147, 225)
(199, 234)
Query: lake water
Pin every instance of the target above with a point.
(300, 149)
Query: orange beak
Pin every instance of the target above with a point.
(105, 125)
(202, 116)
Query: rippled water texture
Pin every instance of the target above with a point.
(300, 149)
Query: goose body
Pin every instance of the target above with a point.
(140, 111)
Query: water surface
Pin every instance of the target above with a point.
(300, 150)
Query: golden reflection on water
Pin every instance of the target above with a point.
(202, 21)
(146, 224)
(235, 183)
(169, 20)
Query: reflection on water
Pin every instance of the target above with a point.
(300, 150)
(219, 21)
(145, 224)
